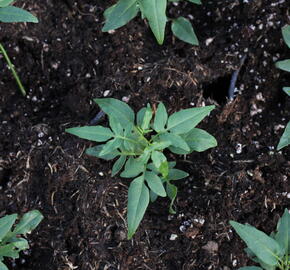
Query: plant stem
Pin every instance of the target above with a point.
(21, 87)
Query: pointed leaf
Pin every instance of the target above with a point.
(284, 65)
(160, 119)
(154, 11)
(140, 116)
(120, 14)
(147, 118)
(116, 127)
(133, 168)
(183, 121)
(138, 200)
(6, 224)
(96, 150)
(153, 196)
(286, 34)
(118, 165)
(285, 139)
(182, 29)
(175, 174)
(171, 191)
(283, 232)
(155, 183)
(111, 146)
(9, 251)
(11, 14)
(263, 246)
(175, 140)
(92, 133)
(5, 3)
(117, 109)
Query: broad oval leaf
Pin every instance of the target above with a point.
(116, 127)
(160, 119)
(117, 109)
(286, 34)
(120, 14)
(183, 121)
(96, 150)
(111, 146)
(133, 168)
(175, 174)
(92, 133)
(155, 12)
(11, 14)
(176, 140)
(5, 3)
(155, 183)
(182, 29)
(118, 165)
(138, 200)
(284, 65)
(285, 139)
(6, 224)
(263, 246)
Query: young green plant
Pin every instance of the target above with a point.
(154, 11)
(139, 142)
(271, 252)
(285, 65)
(10, 241)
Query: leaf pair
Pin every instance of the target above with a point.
(155, 12)
(9, 14)
(10, 244)
(269, 251)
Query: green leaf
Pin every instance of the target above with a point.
(147, 118)
(116, 127)
(182, 29)
(286, 34)
(6, 224)
(117, 109)
(285, 139)
(284, 65)
(198, 2)
(133, 168)
(3, 266)
(183, 121)
(158, 158)
(118, 165)
(154, 11)
(250, 268)
(199, 140)
(160, 119)
(283, 232)
(120, 14)
(155, 183)
(96, 150)
(287, 90)
(164, 169)
(263, 246)
(159, 145)
(92, 133)
(21, 244)
(28, 222)
(153, 196)
(175, 174)
(5, 3)
(140, 116)
(138, 200)
(11, 14)
(9, 251)
(175, 140)
(111, 146)
(171, 191)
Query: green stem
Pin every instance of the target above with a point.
(21, 87)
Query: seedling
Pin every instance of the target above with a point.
(10, 242)
(271, 252)
(139, 144)
(154, 11)
(285, 65)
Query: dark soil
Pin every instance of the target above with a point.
(65, 61)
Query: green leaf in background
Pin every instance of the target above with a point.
(175, 140)
(138, 200)
(117, 109)
(5, 3)
(283, 232)
(198, 2)
(3, 266)
(92, 133)
(183, 121)
(284, 65)
(250, 268)
(147, 117)
(155, 183)
(120, 14)
(11, 14)
(133, 168)
(154, 11)
(160, 119)
(118, 165)
(171, 191)
(182, 29)
(96, 150)
(263, 246)
(287, 90)
(6, 224)
(175, 174)
(285, 139)
(286, 34)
